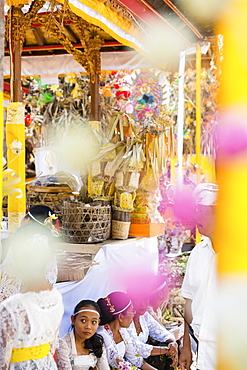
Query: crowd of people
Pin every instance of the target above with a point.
(120, 331)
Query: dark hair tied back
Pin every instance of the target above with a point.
(112, 304)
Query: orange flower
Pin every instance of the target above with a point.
(107, 92)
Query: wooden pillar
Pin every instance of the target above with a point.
(95, 98)
(2, 33)
(15, 127)
(15, 57)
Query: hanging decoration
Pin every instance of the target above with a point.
(147, 97)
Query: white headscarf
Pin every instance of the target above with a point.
(206, 194)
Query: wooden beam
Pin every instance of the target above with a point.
(7, 87)
(71, 34)
(38, 36)
(147, 14)
(184, 19)
(61, 47)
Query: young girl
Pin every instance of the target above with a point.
(30, 320)
(82, 348)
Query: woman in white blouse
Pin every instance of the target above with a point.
(30, 320)
(82, 348)
(116, 315)
(144, 327)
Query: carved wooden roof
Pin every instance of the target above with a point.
(41, 36)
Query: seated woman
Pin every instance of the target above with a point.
(144, 327)
(116, 315)
(10, 283)
(158, 298)
(30, 320)
(82, 348)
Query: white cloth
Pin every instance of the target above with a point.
(29, 320)
(115, 262)
(64, 64)
(68, 359)
(119, 351)
(11, 283)
(150, 327)
(200, 286)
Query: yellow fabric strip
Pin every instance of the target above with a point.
(234, 64)
(16, 161)
(30, 353)
(198, 114)
(112, 17)
(231, 220)
(15, 140)
(17, 2)
(232, 169)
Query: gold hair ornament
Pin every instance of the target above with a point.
(108, 303)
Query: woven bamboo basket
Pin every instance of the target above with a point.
(120, 229)
(85, 224)
(119, 215)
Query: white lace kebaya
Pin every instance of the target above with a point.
(11, 283)
(29, 320)
(150, 327)
(68, 359)
(120, 351)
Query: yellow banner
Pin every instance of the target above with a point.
(15, 139)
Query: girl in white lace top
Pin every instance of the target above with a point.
(29, 321)
(82, 348)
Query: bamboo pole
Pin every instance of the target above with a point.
(198, 114)
(231, 237)
(180, 120)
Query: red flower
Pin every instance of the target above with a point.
(28, 120)
(126, 94)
